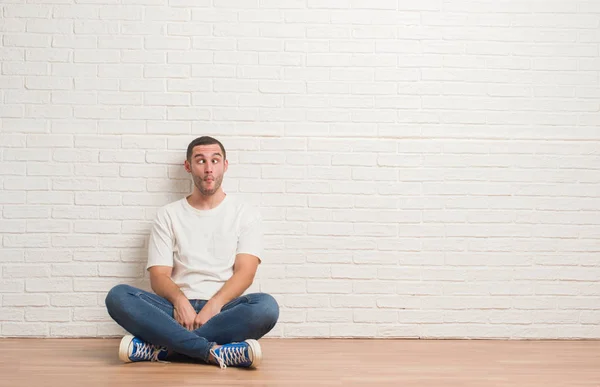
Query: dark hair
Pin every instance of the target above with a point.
(204, 140)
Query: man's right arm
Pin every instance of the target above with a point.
(163, 285)
(160, 266)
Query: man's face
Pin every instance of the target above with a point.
(207, 167)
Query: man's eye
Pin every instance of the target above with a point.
(200, 161)
(215, 161)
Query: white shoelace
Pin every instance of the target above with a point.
(148, 351)
(229, 356)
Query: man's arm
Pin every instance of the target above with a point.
(244, 270)
(163, 285)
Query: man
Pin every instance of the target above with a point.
(203, 253)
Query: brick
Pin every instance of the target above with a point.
(20, 300)
(26, 40)
(97, 170)
(63, 300)
(73, 126)
(147, 113)
(282, 286)
(74, 269)
(13, 197)
(38, 197)
(12, 285)
(79, 212)
(48, 314)
(98, 284)
(12, 256)
(124, 97)
(131, 227)
(27, 185)
(122, 213)
(50, 285)
(85, 112)
(125, 12)
(74, 241)
(329, 286)
(48, 226)
(26, 96)
(34, 240)
(180, 29)
(121, 241)
(374, 316)
(52, 256)
(14, 10)
(22, 329)
(97, 198)
(127, 270)
(329, 316)
(112, 330)
(73, 329)
(91, 314)
(96, 256)
(60, 184)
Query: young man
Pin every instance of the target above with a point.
(202, 256)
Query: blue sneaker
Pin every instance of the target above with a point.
(135, 349)
(245, 354)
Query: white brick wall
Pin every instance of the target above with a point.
(425, 168)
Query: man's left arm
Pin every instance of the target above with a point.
(244, 270)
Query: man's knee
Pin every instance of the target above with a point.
(269, 310)
(116, 296)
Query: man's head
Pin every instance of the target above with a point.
(206, 161)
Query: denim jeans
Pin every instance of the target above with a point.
(150, 317)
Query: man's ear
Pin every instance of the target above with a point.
(226, 165)
(187, 166)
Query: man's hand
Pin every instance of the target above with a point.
(210, 309)
(184, 313)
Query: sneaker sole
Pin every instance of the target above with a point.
(124, 348)
(256, 352)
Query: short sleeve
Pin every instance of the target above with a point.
(160, 245)
(250, 239)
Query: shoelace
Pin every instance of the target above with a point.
(148, 351)
(229, 356)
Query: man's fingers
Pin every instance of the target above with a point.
(186, 324)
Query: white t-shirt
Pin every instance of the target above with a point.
(201, 245)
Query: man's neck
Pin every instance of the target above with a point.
(202, 202)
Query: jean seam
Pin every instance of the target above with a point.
(152, 301)
(207, 355)
(156, 307)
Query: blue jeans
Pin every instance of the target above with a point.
(150, 317)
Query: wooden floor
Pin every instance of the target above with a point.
(94, 362)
